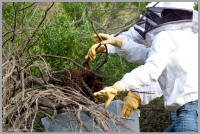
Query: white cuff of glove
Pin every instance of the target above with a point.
(120, 83)
(126, 45)
(120, 51)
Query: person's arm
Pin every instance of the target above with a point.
(157, 59)
(131, 48)
(154, 91)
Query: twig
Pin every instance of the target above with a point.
(69, 59)
(99, 25)
(12, 70)
(7, 41)
(22, 83)
(27, 6)
(22, 26)
(33, 12)
(6, 62)
(76, 86)
(7, 33)
(47, 68)
(68, 115)
(59, 71)
(123, 26)
(106, 57)
(111, 17)
(96, 32)
(38, 38)
(36, 30)
(81, 19)
(81, 123)
(41, 73)
(15, 22)
(126, 28)
(88, 89)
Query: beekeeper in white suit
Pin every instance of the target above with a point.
(171, 58)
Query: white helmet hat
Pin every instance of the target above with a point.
(180, 5)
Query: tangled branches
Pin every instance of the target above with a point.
(21, 113)
(28, 97)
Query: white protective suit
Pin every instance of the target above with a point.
(172, 60)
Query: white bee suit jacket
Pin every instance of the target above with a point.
(172, 60)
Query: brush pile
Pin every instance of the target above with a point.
(26, 96)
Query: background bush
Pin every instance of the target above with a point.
(63, 34)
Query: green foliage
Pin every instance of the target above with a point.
(67, 32)
(141, 5)
(25, 22)
(196, 6)
(64, 38)
(74, 10)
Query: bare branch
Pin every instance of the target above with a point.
(27, 6)
(106, 57)
(66, 58)
(41, 72)
(36, 30)
(11, 71)
(38, 38)
(15, 22)
(22, 83)
(128, 27)
(7, 33)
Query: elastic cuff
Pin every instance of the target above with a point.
(119, 86)
(125, 45)
(111, 49)
(122, 85)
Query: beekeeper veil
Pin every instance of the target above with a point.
(164, 16)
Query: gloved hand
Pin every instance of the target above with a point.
(92, 51)
(131, 102)
(107, 39)
(109, 93)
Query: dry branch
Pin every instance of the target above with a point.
(69, 59)
(27, 6)
(36, 30)
(21, 111)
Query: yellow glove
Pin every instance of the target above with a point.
(92, 51)
(131, 102)
(109, 93)
(107, 39)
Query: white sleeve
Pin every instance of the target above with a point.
(157, 59)
(131, 49)
(153, 88)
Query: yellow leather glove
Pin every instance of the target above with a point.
(109, 93)
(92, 51)
(107, 39)
(131, 102)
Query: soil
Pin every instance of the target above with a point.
(83, 81)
